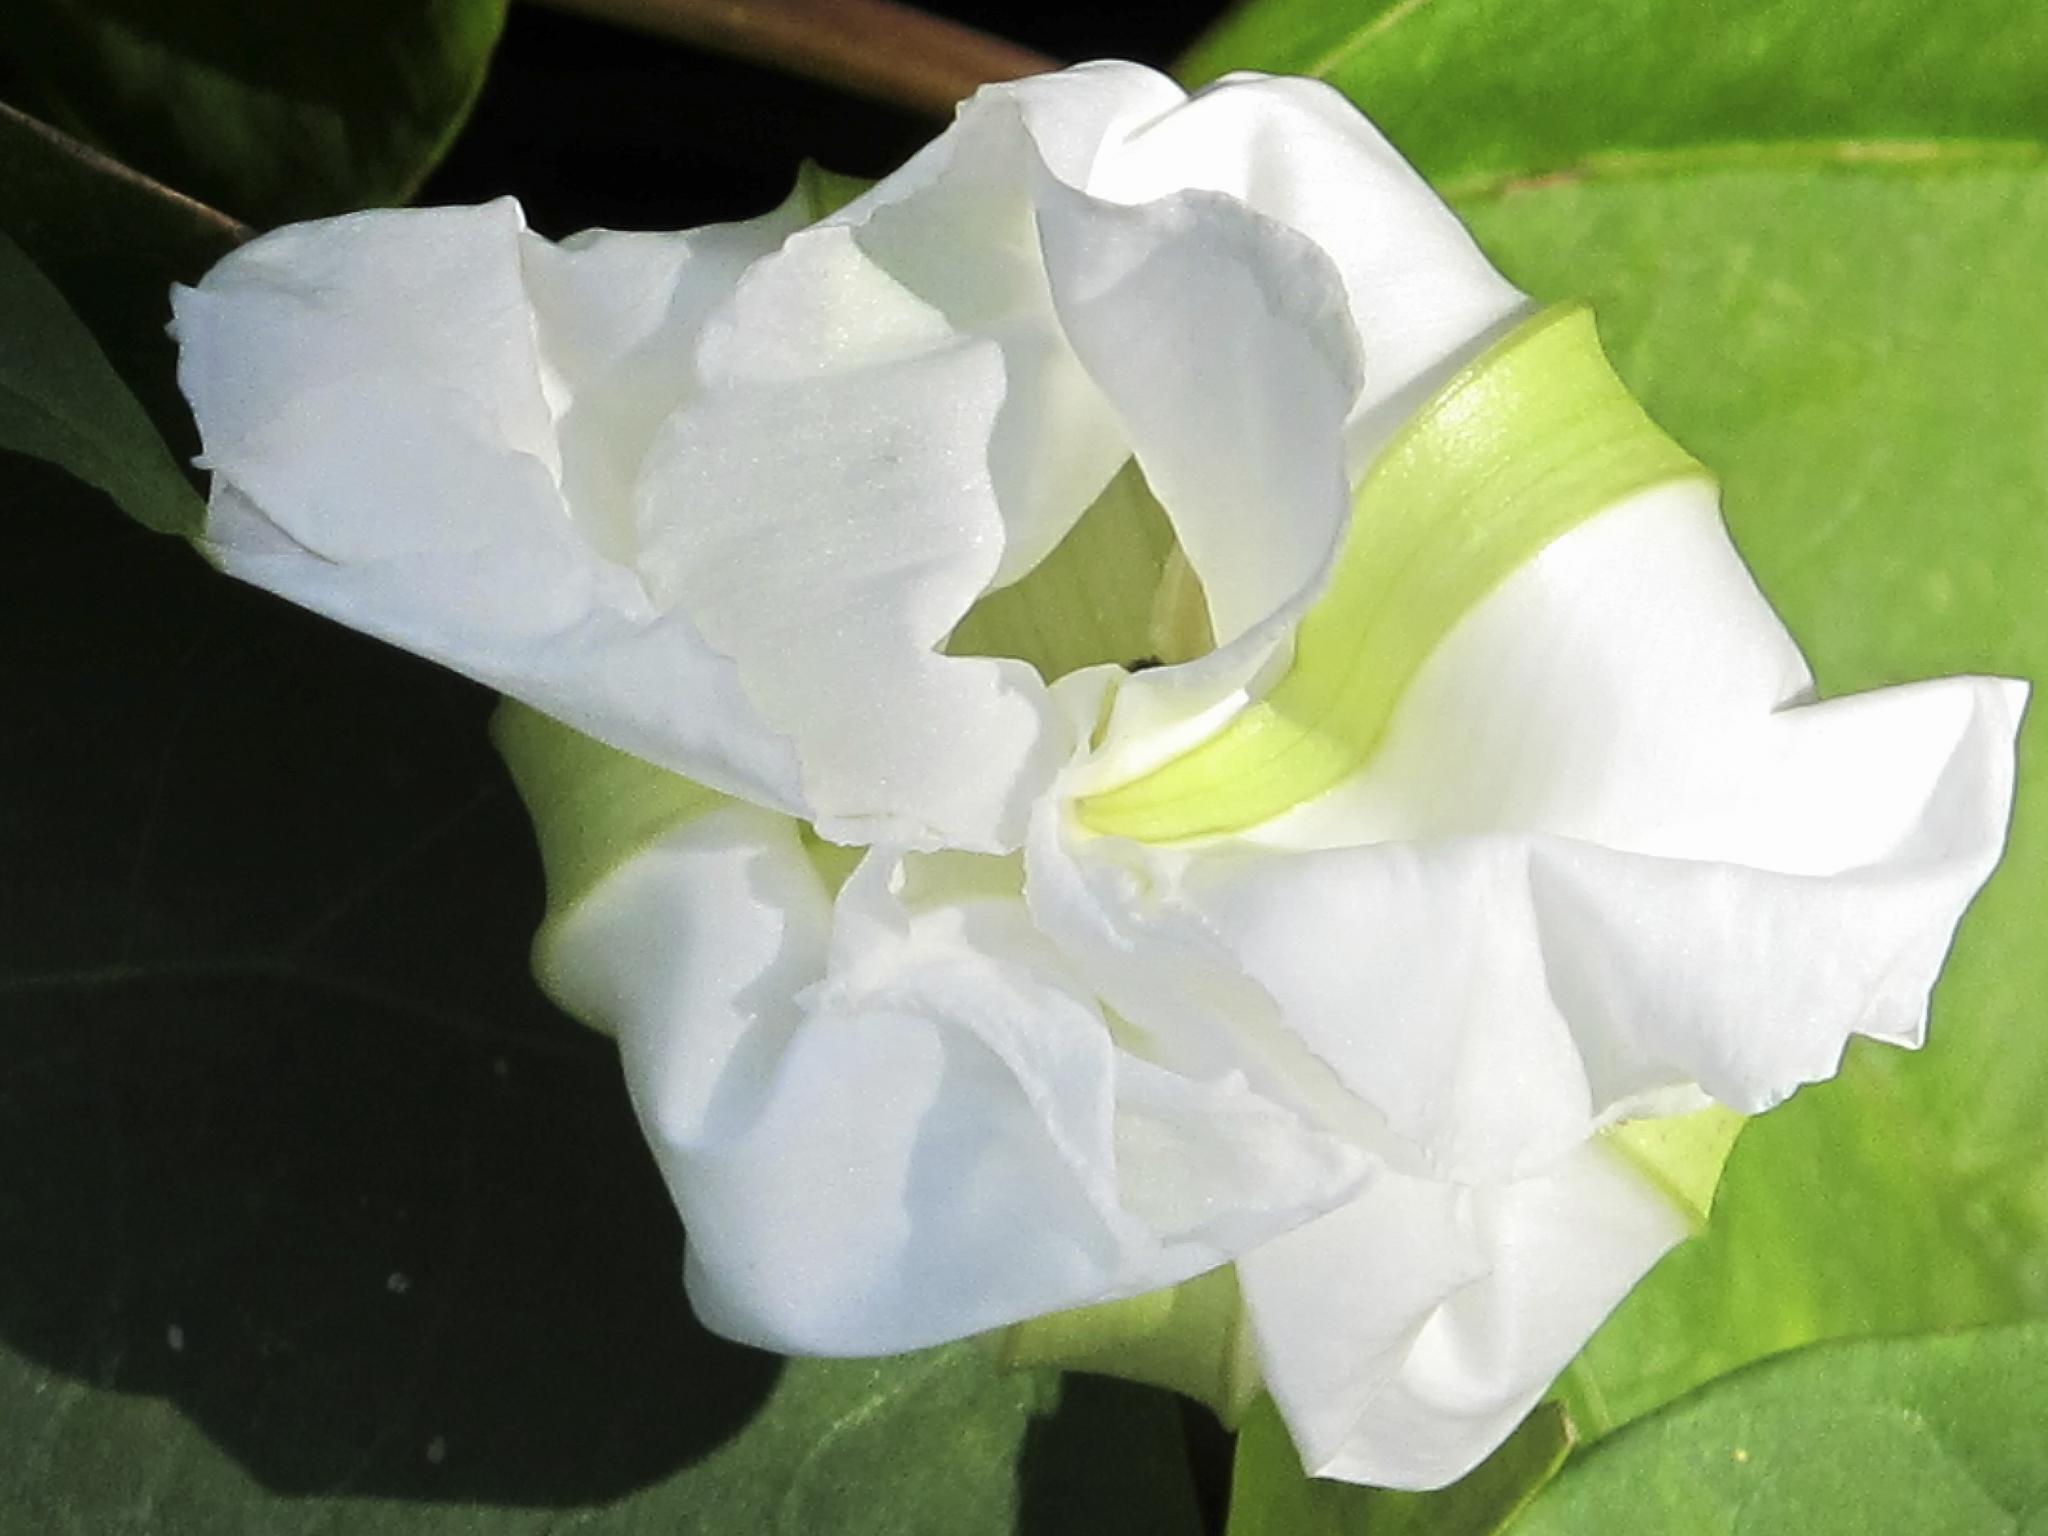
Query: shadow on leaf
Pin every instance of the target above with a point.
(289, 1138)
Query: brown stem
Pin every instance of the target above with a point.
(231, 229)
(875, 48)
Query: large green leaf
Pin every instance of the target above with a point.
(315, 1217)
(1939, 1435)
(270, 111)
(1842, 343)
(62, 401)
(1476, 91)
(1270, 1497)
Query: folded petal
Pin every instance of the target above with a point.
(1612, 688)
(1716, 851)
(616, 320)
(1420, 292)
(1183, 998)
(1418, 972)
(833, 567)
(897, 1121)
(378, 396)
(1750, 982)
(1237, 420)
(1601, 858)
(957, 227)
(1221, 341)
(1405, 1335)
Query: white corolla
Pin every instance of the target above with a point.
(1119, 708)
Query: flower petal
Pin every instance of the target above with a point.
(833, 567)
(1236, 418)
(377, 395)
(616, 319)
(897, 1123)
(1418, 972)
(1532, 438)
(956, 226)
(1631, 687)
(1717, 852)
(1596, 863)
(1750, 982)
(1423, 296)
(1404, 1336)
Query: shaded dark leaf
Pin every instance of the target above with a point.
(273, 112)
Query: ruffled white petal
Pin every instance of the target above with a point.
(1616, 688)
(378, 398)
(1750, 982)
(616, 320)
(1404, 1336)
(1421, 294)
(1602, 857)
(957, 227)
(823, 509)
(1232, 350)
(1723, 882)
(1221, 341)
(407, 333)
(897, 1121)
(1418, 972)
(950, 370)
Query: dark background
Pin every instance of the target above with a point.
(589, 126)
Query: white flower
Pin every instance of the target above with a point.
(1480, 818)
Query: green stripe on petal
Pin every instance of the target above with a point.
(1534, 437)
(593, 806)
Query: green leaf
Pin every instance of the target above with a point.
(315, 1216)
(112, 242)
(1931, 1434)
(274, 112)
(1844, 345)
(62, 401)
(1480, 91)
(1270, 1495)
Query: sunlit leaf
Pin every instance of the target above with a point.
(1934, 1433)
(1478, 91)
(1271, 1497)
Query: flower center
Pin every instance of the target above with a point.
(1115, 589)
